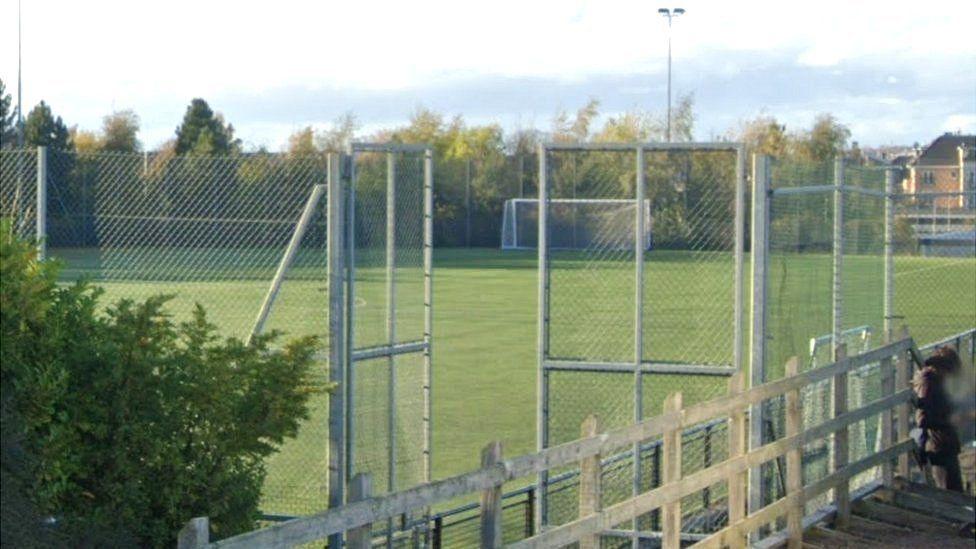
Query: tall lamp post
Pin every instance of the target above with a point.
(671, 15)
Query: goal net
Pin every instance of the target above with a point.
(574, 224)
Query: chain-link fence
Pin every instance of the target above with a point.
(18, 190)
(388, 366)
(840, 239)
(640, 268)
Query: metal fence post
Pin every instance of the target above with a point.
(889, 255)
(41, 217)
(428, 306)
(738, 331)
(759, 257)
(337, 337)
(391, 193)
(837, 302)
(529, 513)
(491, 501)
(436, 535)
(349, 231)
(639, 232)
(542, 343)
(590, 489)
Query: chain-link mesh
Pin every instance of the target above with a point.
(18, 190)
(387, 400)
(687, 309)
(935, 263)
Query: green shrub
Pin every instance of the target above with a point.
(135, 422)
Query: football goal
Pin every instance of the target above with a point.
(575, 224)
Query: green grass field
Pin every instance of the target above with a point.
(485, 332)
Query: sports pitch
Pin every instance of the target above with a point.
(484, 350)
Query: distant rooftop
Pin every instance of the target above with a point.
(945, 150)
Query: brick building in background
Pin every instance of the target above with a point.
(948, 164)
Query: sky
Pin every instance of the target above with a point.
(895, 72)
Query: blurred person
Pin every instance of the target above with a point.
(938, 441)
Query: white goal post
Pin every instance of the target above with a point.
(575, 224)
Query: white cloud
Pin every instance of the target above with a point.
(88, 57)
(965, 123)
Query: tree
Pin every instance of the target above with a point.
(85, 141)
(576, 129)
(825, 140)
(302, 143)
(42, 129)
(119, 131)
(8, 122)
(764, 135)
(341, 134)
(204, 132)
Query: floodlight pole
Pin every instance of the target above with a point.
(670, 15)
(20, 87)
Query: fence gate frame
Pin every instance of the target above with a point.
(343, 350)
(639, 366)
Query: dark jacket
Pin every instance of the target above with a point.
(933, 412)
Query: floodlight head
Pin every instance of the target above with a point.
(679, 11)
(664, 11)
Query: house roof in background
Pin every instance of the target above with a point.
(945, 150)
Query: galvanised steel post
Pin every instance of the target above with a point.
(41, 217)
(542, 343)
(639, 232)
(391, 328)
(889, 255)
(738, 332)
(337, 336)
(350, 309)
(838, 255)
(757, 359)
(428, 305)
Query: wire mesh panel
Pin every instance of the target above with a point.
(18, 190)
(935, 263)
(639, 269)
(388, 367)
(689, 273)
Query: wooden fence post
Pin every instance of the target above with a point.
(672, 472)
(794, 460)
(491, 501)
(590, 490)
(195, 534)
(361, 537)
(737, 482)
(903, 381)
(887, 419)
(842, 493)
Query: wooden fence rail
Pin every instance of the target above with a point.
(585, 453)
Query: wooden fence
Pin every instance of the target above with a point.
(356, 517)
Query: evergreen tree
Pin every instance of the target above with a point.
(43, 129)
(8, 128)
(204, 132)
